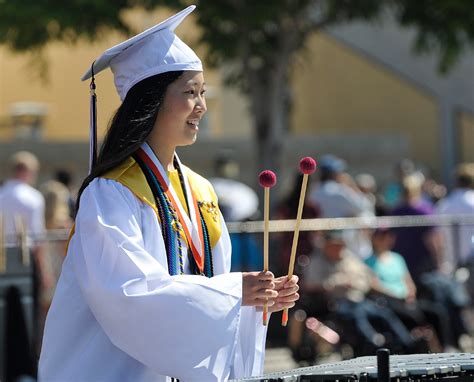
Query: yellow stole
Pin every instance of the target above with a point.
(131, 176)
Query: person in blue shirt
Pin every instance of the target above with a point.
(390, 267)
(400, 294)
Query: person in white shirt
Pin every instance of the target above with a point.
(145, 292)
(20, 202)
(22, 209)
(339, 197)
(460, 201)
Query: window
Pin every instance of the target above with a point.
(27, 119)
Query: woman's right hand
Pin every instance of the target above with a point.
(258, 288)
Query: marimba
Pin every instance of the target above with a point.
(457, 367)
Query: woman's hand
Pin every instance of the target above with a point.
(258, 288)
(287, 293)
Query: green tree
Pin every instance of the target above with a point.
(255, 39)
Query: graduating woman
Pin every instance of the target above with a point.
(145, 292)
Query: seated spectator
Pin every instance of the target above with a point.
(336, 283)
(398, 291)
(389, 267)
(422, 249)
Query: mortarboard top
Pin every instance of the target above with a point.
(156, 50)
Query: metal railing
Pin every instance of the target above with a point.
(320, 224)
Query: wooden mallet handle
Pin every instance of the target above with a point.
(267, 179)
(307, 166)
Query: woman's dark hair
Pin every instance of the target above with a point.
(131, 124)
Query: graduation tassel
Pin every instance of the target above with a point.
(93, 123)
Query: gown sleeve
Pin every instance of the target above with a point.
(250, 347)
(186, 327)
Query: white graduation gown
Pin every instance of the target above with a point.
(117, 314)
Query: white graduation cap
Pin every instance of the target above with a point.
(154, 51)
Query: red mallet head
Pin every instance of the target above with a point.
(267, 178)
(307, 165)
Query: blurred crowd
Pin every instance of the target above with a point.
(30, 263)
(407, 288)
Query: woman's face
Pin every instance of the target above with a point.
(184, 105)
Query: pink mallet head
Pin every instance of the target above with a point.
(307, 165)
(267, 178)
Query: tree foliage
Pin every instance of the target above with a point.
(445, 27)
(31, 24)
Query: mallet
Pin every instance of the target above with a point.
(307, 166)
(267, 179)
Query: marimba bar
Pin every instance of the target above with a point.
(450, 367)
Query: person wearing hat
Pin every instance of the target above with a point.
(339, 197)
(336, 284)
(145, 292)
(337, 193)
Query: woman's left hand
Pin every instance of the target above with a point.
(287, 293)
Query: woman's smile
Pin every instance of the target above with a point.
(193, 124)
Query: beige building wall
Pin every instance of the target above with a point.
(336, 90)
(67, 98)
